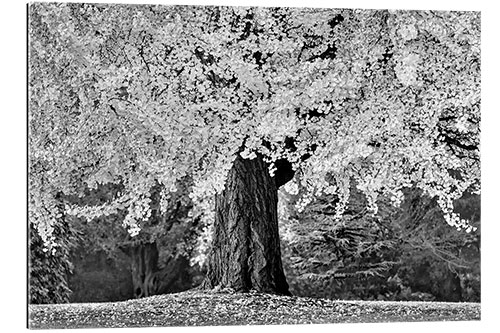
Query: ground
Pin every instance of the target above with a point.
(197, 308)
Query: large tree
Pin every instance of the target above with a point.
(243, 99)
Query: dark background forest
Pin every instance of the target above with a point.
(405, 253)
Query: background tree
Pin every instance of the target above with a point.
(159, 257)
(157, 260)
(405, 253)
(241, 99)
(48, 270)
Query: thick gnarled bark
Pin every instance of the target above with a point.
(245, 252)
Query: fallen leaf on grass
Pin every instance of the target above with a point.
(198, 308)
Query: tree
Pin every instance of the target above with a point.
(48, 271)
(241, 100)
(404, 253)
(159, 256)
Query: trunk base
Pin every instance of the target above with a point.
(245, 253)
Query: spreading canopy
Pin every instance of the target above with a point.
(136, 95)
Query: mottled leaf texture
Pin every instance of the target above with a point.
(143, 94)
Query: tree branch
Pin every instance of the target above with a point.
(457, 143)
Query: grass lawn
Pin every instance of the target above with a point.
(197, 308)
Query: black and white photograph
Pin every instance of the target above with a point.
(211, 165)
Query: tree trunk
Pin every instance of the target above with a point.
(245, 252)
(148, 279)
(144, 266)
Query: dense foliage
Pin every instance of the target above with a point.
(146, 95)
(172, 226)
(404, 253)
(49, 271)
